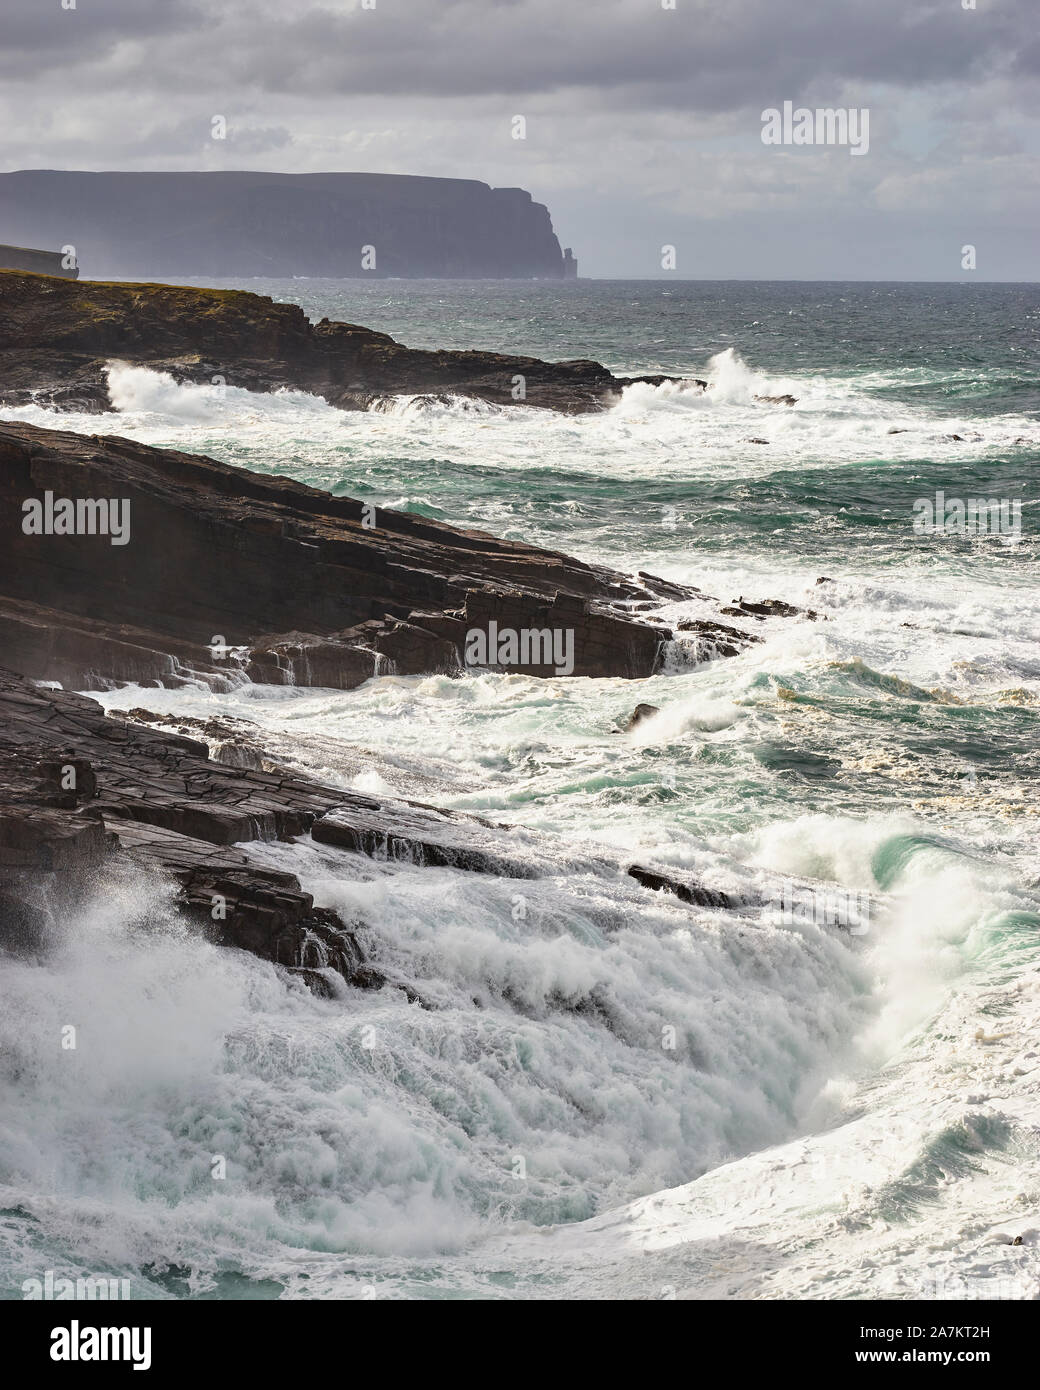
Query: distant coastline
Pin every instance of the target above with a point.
(245, 222)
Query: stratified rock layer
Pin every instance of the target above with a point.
(77, 787)
(80, 790)
(227, 574)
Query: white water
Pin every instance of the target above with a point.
(660, 431)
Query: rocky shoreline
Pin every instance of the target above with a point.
(222, 575)
(57, 338)
(123, 563)
(82, 793)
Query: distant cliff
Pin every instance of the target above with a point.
(249, 223)
(39, 262)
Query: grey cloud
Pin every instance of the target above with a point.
(702, 56)
(708, 57)
(40, 36)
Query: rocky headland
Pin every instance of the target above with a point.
(255, 222)
(58, 337)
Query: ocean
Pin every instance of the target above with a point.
(613, 1093)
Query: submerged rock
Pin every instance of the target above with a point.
(769, 608)
(717, 639)
(682, 885)
(639, 715)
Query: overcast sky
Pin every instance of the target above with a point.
(643, 124)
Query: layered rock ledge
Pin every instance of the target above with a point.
(224, 575)
(57, 338)
(81, 792)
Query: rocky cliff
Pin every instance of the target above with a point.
(125, 563)
(252, 223)
(39, 262)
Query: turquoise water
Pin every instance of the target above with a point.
(888, 748)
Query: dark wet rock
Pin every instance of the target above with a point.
(84, 652)
(411, 833)
(598, 639)
(785, 399)
(49, 856)
(228, 739)
(235, 752)
(665, 588)
(717, 639)
(639, 715)
(756, 441)
(682, 885)
(57, 337)
(77, 788)
(299, 658)
(896, 430)
(316, 981)
(230, 576)
(218, 825)
(50, 840)
(660, 380)
(800, 761)
(768, 608)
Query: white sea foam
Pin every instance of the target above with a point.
(660, 432)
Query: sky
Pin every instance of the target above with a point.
(642, 120)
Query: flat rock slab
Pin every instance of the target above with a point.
(402, 832)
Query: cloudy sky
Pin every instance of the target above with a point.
(643, 123)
